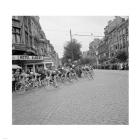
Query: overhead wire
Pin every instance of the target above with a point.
(76, 34)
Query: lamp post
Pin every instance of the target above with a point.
(71, 42)
(70, 35)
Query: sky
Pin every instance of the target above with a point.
(57, 29)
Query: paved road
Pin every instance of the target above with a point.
(100, 101)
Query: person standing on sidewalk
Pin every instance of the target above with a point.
(13, 81)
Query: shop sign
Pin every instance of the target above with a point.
(47, 59)
(25, 57)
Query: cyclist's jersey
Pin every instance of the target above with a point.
(63, 72)
(86, 68)
(53, 73)
(91, 68)
(58, 73)
(23, 76)
(36, 75)
(60, 69)
(83, 68)
(13, 77)
(42, 75)
(48, 73)
(68, 72)
(17, 76)
(72, 70)
(31, 75)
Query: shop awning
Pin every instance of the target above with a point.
(16, 67)
(20, 49)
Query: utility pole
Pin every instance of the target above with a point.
(71, 42)
(70, 35)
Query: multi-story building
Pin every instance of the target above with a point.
(116, 36)
(103, 52)
(29, 43)
(114, 41)
(25, 32)
(93, 49)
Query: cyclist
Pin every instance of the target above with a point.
(17, 76)
(68, 74)
(48, 74)
(23, 76)
(53, 75)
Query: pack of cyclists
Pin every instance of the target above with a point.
(25, 80)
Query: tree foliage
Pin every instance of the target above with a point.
(86, 60)
(72, 51)
(122, 56)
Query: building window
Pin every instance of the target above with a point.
(15, 17)
(42, 51)
(30, 41)
(18, 38)
(35, 42)
(13, 38)
(26, 37)
(25, 21)
(126, 30)
(16, 35)
(29, 24)
(120, 46)
(124, 44)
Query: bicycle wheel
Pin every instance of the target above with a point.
(20, 88)
(17, 86)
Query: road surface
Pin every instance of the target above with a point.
(103, 100)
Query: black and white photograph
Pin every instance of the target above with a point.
(70, 70)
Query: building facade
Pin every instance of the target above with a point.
(116, 40)
(103, 52)
(28, 39)
(116, 36)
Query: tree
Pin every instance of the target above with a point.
(86, 60)
(122, 56)
(114, 60)
(72, 51)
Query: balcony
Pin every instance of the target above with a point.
(16, 24)
(20, 47)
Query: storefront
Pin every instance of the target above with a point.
(37, 66)
(26, 62)
(32, 62)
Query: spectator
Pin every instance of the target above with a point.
(13, 81)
